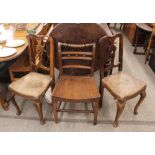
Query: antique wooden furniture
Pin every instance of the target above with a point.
(144, 28)
(71, 88)
(17, 35)
(3, 94)
(121, 85)
(34, 85)
(79, 34)
(136, 33)
(152, 61)
(130, 29)
(107, 57)
(22, 65)
(150, 43)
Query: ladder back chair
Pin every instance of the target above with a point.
(22, 65)
(121, 85)
(34, 85)
(74, 89)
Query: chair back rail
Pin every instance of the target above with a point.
(76, 56)
(37, 45)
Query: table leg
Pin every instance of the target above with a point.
(136, 40)
(138, 31)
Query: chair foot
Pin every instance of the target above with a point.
(96, 108)
(142, 96)
(38, 106)
(115, 124)
(13, 101)
(2, 103)
(120, 108)
(43, 122)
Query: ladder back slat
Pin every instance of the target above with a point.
(76, 66)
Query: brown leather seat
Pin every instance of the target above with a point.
(66, 87)
(123, 86)
(32, 85)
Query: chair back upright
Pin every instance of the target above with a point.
(37, 45)
(108, 50)
(45, 28)
(76, 57)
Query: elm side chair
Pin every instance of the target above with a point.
(22, 65)
(33, 86)
(77, 88)
(120, 85)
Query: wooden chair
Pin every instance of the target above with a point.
(22, 65)
(107, 57)
(34, 85)
(69, 88)
(147, 53)
(121, 85)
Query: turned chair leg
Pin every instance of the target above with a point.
(2, 103)
(96, 108)
(101, 98)
(142, 96)
(38, 106)
(13, 101)
(120, 108)
(54, 109)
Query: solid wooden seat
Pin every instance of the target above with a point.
(34, 85)
(121, 85)
(31, 86)
(76, 88)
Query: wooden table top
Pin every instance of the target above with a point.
(144, 26)
(19, 34)
(78, 34)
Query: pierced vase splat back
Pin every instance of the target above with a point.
(108, 45)
(37, 48)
